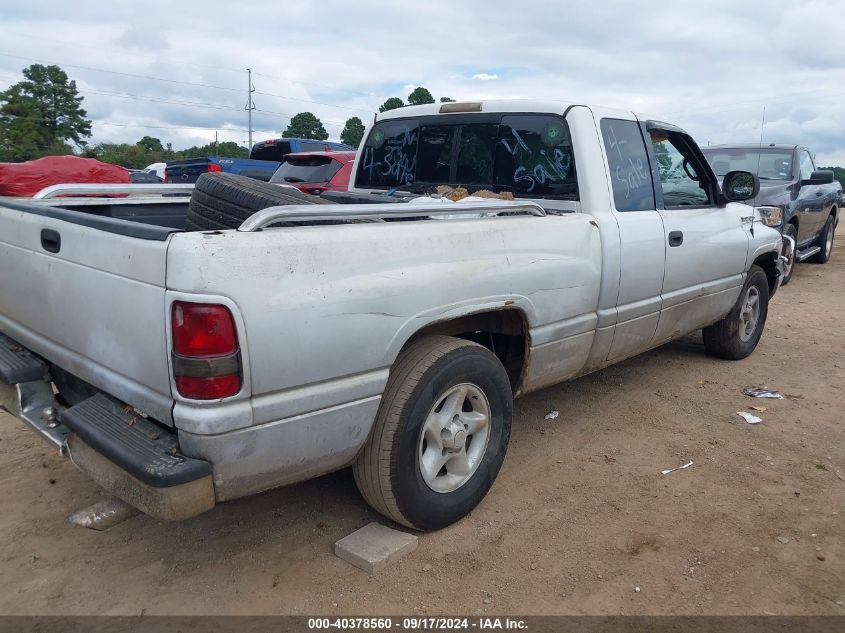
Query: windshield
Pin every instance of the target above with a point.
(529, 155)
(311, 169)
(774, 164)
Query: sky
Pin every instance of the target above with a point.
(177, 70)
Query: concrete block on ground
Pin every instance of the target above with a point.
(374, 546)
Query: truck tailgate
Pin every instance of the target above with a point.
(95, 307)
(186, 171)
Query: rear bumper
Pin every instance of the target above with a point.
(176, 477)
(129, 456)
(285, 451)
(172, 503)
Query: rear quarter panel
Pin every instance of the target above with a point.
(327, 309)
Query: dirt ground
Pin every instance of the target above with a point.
(579, 517)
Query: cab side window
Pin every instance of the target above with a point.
(627, 159)
(806, 165)
(683, 177)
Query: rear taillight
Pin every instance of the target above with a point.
(214, 167)
(206, 356)
(165, 176)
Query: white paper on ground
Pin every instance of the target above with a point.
(671, 470)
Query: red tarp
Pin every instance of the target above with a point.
(27, 179)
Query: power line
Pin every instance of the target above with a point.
(193, 104)
(170, 127)
(99, 49)
(144, 125)
(178, 81)
(115, 72)
(196, 104)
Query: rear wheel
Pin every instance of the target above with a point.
(440, 435)
(737, 335)
(826, 242)
(789, 251)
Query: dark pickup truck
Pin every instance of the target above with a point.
(189, 169)
(802, 201)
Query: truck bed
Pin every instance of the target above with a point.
(99, 308)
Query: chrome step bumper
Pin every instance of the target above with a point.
(130, 456)
(26, 392)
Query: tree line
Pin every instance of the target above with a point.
(42, 115)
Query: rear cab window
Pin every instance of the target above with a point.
(306, 169)
(529, 155)
(270, 150)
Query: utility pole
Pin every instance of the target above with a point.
(250, 106)
(215, 141)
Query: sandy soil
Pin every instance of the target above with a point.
(578, 518)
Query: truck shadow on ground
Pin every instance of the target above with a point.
(322, 510)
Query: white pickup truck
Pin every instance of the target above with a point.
(181, 368)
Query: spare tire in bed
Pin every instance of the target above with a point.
(222, 201)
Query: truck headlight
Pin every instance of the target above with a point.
(771, 216)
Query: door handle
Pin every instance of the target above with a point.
(51, 241)
(676, 238)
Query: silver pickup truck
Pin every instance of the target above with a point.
(181, 368)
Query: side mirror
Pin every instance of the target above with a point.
(819, 177)
(738, 186)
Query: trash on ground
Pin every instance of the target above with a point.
(748, 417)
(753, 408)
(103, 515)
(671, 470)
(551, 415)
(760, 392)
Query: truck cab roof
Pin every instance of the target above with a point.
(492, 105)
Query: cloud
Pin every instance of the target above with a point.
(711, 72)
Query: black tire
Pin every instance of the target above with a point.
(724, 338)
(224, 201)
(825, 241)
(792, 232)
(387, 470)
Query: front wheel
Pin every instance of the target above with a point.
(826, 242)
(440, 435)
(737, 335)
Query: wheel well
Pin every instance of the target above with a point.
(503, 332)
(768, 262)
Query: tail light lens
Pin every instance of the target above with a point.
(212, 388)
(214, 167)
(166, 177)
(206, 356)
